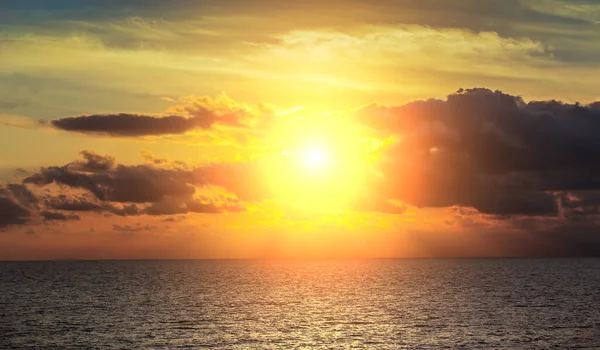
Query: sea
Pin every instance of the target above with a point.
(301, 304)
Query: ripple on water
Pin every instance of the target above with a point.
(375, 304)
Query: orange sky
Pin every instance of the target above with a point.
(270, 130)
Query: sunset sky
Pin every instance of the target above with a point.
(299, 129)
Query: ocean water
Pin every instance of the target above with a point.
(328, 304)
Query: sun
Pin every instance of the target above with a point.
(315, 158)
(320, 164)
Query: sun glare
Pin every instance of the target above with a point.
(320, 166)
(315, 158)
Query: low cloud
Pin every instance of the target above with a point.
(129, 124)
(57, 216)
(93, 162)
(122, 190)
(196, 113)
(129, 228)
(136, 184)
(67, 203)
(12, 213)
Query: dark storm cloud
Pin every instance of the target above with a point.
(488, 150)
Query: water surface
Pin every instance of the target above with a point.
(375, 304)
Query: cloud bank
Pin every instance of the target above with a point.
(500, 162)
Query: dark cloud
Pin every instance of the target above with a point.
(93, 161)
(12, 213)
(174, 219)
(199, 113)
(557, 237)
(137, 184)
(487, 150)
(67, 203)
(126, 124)
(162, 162)
(57, 216)
(132, 190)
(129, 228)
(167, 207)
(122, 210)
(23, 195)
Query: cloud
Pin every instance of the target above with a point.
(57, 216)
(129, 228)
(66, 203)
(18, 121)
(163, 162)
(12, 213)
(93, 161)
(478, 148)
(22, 194)
(137, 184)
(487, 150)
(128, 124)
(196, 113)
(175, 219)
(124, 190)
(212, 208)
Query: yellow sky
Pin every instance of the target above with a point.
(246, 120)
